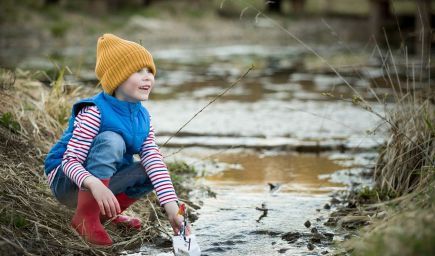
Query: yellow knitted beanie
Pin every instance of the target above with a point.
(117, 59)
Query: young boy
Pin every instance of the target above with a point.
(91, 167)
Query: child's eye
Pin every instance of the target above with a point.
(144, 70)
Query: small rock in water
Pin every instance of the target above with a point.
(324, 252)
(355, 184)
(347, 236)
(332, 222)
(273, 243)
(351, 204)
(327, 207)
(163, 242)
(291, 237)
(317, 238)
(265, 232)
(330, 236)
(314, 230)
(310, 246)
(307, 224)
(335, 201)
(283, 250)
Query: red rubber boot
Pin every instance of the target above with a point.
(124, 220)
(86, 220)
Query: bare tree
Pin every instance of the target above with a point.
(273, 6)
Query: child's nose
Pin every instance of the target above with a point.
(148, 76)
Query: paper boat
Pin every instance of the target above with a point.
(185, 247)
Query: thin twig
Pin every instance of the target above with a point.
(208, 104)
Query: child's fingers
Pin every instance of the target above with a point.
(118, 207)
(107, 209)
(176, 231)
(100, 204)
(113, 207)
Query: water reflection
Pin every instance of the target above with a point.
(296, 172)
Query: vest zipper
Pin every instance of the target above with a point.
(133, 122)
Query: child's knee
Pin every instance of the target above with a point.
(111, 140)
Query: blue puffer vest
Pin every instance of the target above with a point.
(130, 120)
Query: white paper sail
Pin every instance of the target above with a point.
(185, 247)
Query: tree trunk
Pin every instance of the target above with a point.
(379, 14)
(274, 6)
(146, 2)
(298, 6)
(113, 4)
(48, 2)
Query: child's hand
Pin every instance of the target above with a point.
(176, 220)
(103, 195)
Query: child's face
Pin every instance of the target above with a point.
(137, 87)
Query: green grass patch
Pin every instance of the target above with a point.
(181, 168)
(373, 195)
(59, 28)
(409, 233)
(13, 219)
(7, 121)
(408, 228)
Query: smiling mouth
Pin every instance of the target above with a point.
(144, 88)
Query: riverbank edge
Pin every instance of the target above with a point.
(375, 224)
(380, 221)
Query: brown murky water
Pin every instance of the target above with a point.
(299, 172)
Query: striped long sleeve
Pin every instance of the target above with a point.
(157, 171)
(86, 128)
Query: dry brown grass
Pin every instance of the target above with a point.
(407, 161)
(33, 222)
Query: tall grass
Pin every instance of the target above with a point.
(41, 112)
(406, 163)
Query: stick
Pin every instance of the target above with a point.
(208, 104)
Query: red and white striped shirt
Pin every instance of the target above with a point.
(86, 127)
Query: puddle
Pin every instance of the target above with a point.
(295, 173)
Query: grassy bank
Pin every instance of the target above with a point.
(396, 215)
(32, 222)
(403, 198)
(407, 227)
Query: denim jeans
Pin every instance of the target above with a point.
(105, 160)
